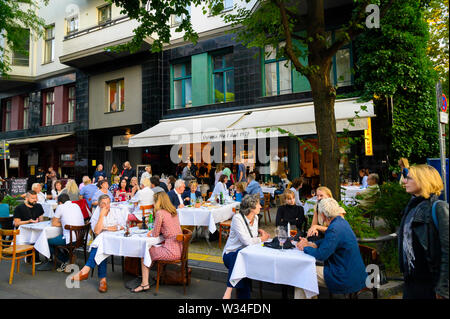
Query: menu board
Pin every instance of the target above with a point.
(19, 186)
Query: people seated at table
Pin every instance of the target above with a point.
(122, 193)
(155, 182)
(296, 185)
(317, 227)
(99, 172)
(103, 219)
(29, 212)
(103, 190)
(367, 197)
(243, 232)
(72, 190)
(57, 189)
(344, 271)
(253, 187)
(67, 213)
(221, 187)
(176, 194)
(290, 213)
(171, 183)
(83, 182)
(191, 194)
(88, 192)
(167, 224)
(115, 185)
(143, 197)
(37, 188)
(134, 186)
(364, 174)
(240, 191)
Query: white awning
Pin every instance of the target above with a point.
(38, 139)
(248, 124)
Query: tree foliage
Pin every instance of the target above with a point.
(15, 16)
(393, 62)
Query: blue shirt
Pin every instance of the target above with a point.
(100, 193)
(364, 182)
(88, 193)
(97, 174)
(242, 169)
(255, 188)
(344, 269)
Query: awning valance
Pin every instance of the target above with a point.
(36, 139)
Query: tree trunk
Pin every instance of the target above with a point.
(326, 131)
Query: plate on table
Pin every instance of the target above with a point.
(140, 231)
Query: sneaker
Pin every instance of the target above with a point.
(62, 267)
(45, 266)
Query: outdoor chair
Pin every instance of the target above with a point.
(266, 208)
(10, 251)
(81, 234)
(184, 276)
(224, 227)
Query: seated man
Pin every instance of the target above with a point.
(88, 192)
(37, 188)
(67, 213)
(29, 212)
(253, 187)
(367, 197)
(175, 195)
(155, 182)
(344, 270)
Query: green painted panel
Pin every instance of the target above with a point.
(201, 79)
(294, 158)
(299, 82)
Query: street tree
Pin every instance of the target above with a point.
(18, 20)
(298, 24)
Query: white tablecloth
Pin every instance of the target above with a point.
(115, 243)
(270, 190)
(38, 234)
(206, 216)
(289, 267)
(348, 194)
(49, 208)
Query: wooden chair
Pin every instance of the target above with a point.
(81, 234)
(266, 208)
(10, 251)
(6, 223)
(224, 227)
(146, 211)
(185, 238)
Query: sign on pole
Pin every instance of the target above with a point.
(368, 138)
(442, 121)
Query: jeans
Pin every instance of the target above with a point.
(58, 241)
(243, 287)
(91, 264)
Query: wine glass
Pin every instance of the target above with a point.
(282, 235)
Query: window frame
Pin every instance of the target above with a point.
(277, 61)
(348, 46)
(118, 93)
(26, 111)
(99, 10)
(52, 43)
(183, 80)
(223, 70)
(7, 115)
(45, 106)
(15, 59)
(173, 22)
(68, 24)
(69, 100)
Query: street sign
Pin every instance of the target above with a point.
(444, 103)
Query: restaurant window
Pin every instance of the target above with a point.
(182, 85)
(72, 24)
(116, 95)
(26, 112)
(277, 73)
(49, 104)
(341, 70)
(21, 53)
(104, 14)
(71, 104)
(7, 126)
(176, 20)
(223, 84)
(49, 47)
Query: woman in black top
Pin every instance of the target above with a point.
(291, 213)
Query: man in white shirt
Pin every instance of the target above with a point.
(38, 189)
(143, 197)
(67, 213)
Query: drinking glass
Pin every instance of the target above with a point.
(282, 235)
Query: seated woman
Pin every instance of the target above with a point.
(166, 224)
(134, 186)
(240, 191)
(102, 220)
(243, 232)
(317, 224)
(297, 184)
(191, 195)
(290, 213)
(56, 191)
(122, 193)
(115, 185)
(72, 190)
(344, 270)
(102, 190)
(221, 187)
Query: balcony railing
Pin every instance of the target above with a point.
(100, 26)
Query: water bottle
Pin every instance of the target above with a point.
(150, 222)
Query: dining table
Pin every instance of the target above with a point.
(290, 267)
(269, 189)
(38, 234)
(348, 193)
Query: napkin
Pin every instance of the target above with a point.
(275, 243)
(288, 245)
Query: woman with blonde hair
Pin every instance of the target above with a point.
(72, 190)
(423, 236)
(166, 224)
(317, 224)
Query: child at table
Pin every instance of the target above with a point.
(240, 191)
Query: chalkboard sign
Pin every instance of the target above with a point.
(19, 186)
